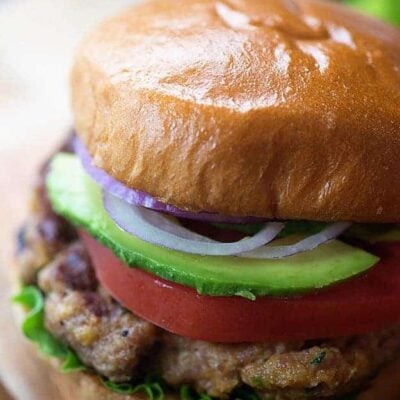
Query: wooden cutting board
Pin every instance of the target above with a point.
(4, 395)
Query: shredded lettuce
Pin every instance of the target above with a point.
(34, 329)
(186, 393)
(153, 387)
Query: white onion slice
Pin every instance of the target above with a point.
(310, 243)
(158, 229)
(169, 224)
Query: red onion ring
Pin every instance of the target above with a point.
(139, 198)
(309, 243)
(156, 228)
(161, 230)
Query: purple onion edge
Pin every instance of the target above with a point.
(143, 199)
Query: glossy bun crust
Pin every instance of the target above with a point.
(285, 109)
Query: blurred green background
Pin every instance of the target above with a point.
(388, 10)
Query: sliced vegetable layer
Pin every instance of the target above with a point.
(143, 216)
(75, 196)
(156, 228)
(364, 304)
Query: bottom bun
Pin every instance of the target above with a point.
(85, 386)
(81, 385)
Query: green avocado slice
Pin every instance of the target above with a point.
(75, 196)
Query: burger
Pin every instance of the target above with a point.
(222, 221)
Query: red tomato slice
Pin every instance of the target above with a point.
(364, 304)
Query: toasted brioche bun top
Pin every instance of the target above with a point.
(286, 109)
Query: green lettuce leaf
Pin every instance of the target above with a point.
(72, 363)
(34, 329)
(187, 393)
(152, 387)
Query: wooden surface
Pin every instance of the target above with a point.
(4, 395)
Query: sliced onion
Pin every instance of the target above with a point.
(139, 198)
(126, 208)
(158, 229)
(310, 243)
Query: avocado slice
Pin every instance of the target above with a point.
(75, 196)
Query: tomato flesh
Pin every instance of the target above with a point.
(364, 304)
